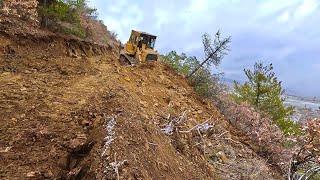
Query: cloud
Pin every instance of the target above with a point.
(120, 15)
(162, 18)
(284, 32)
(306, 8)
(198, 6)
(284, 17)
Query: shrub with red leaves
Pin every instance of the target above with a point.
(258, 132)
(306, 158)
(312, 139)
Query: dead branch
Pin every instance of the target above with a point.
(154, 144)
(213, 52)
(172, 125)
(196, 126)
(203, 142)
(221, 134)
(115, 165)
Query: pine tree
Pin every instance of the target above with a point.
(264, 92)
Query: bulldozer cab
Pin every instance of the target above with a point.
(147, 40)
(139, 47)
(141, 39)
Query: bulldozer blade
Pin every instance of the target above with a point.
(127, 60)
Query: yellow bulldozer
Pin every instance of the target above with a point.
(139, 48)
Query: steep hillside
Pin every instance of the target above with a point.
(70, 111)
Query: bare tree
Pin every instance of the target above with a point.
(214, 52)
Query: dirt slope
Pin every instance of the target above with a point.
(69, 110)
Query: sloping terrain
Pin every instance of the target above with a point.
(69, 110)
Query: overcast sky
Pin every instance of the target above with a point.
(283, 32)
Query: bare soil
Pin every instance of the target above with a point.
(69, 110)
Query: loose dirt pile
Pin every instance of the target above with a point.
(69, 110)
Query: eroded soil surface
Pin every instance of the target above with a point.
(72, 112)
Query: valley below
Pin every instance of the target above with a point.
(305, 108)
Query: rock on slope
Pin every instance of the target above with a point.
(70, 111)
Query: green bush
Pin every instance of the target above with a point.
(65, 16)
(76, 30)
(180, 63)
(60, 11)
(204, 83)
(264, 92)
(198, 73)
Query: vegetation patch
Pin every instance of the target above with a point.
(66, 16)
(264, 92)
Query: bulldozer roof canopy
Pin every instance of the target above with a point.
(144, 33)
